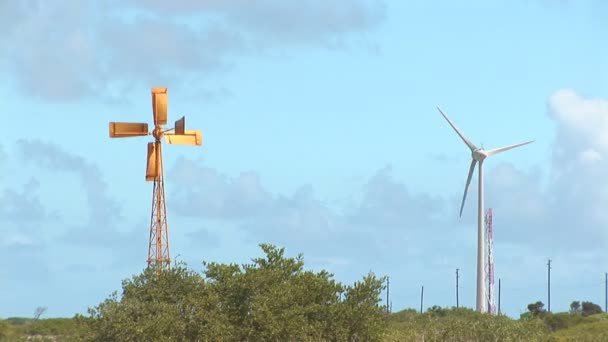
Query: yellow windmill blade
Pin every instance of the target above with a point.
(153, 168)
(127, 129)
(159, 106)
(192, 137)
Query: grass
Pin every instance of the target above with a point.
(592, 328)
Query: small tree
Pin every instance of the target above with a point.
(591, 309)
(39, 312)
(537, 309)
(575, 307)
(437, 310)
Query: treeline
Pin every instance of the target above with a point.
(584, 309)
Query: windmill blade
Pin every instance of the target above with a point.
(127, 129)
(192, 137)
(466, 187)
(159, 106)
(466, 141)
(180, 126)
(154, 158)
(506, 148)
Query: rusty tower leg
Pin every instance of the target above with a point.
(158, 248)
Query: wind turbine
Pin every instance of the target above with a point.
(479, 155)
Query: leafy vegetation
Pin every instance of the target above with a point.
(275, 299)
(271, 299)
(592, 328)
(462, 324)
(537, 309)
(452, 324)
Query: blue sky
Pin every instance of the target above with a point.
(321, 135)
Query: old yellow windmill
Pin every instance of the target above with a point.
(158, 249)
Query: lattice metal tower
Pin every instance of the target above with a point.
(159, 255)
(490, 263)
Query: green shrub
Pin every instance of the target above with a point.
(562, 320)
(463, 325)
(593, 328)
(5, 330)
(271, 299)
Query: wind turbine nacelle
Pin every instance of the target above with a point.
(479, 154)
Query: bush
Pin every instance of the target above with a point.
(593, 328)
(562, 320)
(591, 309)
(271, 299)
(463, 324)
(5, 330)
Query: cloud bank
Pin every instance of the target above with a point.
(72, 49)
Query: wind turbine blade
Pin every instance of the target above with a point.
(466, 141)
(506, 148)
(466, 187)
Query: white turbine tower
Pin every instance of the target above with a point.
(478, 155)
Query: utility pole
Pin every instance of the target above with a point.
(457, 287)
(549, 286)
(388, 289)
(421, 298)
(606, 292)
(498, 296)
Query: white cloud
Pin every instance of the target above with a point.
(387, 218)
(590, 155)
(287, 21)
(569, 210)
(582, 122)
(204, 192)
(68, 49)
(19, 239)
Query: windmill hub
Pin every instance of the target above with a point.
(479, 154)
(157, 133)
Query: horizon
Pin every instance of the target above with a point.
(320, 135)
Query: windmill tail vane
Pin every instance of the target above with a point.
(158, 247)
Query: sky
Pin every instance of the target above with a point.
(321, 135)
